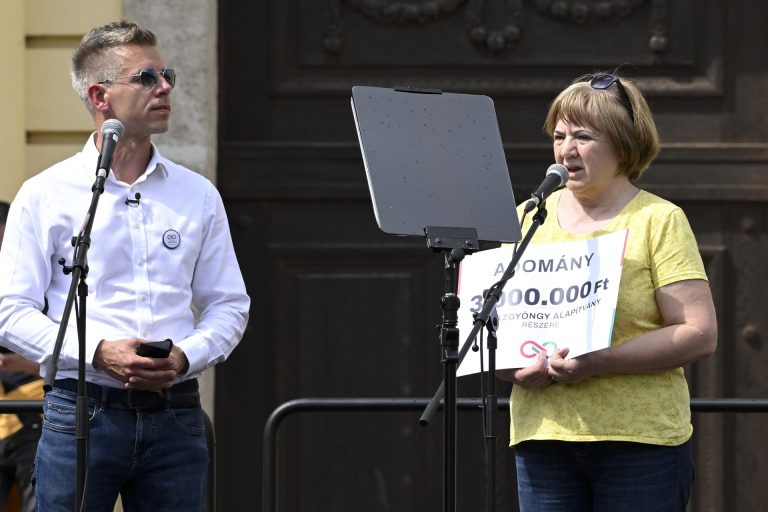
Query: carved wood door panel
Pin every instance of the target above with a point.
(341, 309)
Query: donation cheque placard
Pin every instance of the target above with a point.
(563, 295)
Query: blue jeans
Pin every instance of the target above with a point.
(156, 459)
(605, 476)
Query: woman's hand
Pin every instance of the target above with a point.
(569, 371)
(533, 377)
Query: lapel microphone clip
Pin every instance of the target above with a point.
(134, 202)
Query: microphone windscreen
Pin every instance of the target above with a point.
(561, 171)
(112, 127)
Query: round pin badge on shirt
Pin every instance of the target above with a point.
(171, 238)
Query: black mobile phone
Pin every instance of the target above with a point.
(155, 348)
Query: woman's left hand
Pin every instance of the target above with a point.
(532, 377)
(568, 371)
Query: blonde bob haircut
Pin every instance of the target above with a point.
(636, 144)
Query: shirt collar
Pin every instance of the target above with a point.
(91, 154)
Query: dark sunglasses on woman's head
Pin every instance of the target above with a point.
(148, 77)
(605, 80)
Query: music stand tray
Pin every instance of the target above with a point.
(435, 159)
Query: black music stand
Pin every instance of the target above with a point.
(436, 168)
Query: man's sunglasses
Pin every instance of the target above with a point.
(148, 77)
(605, 80)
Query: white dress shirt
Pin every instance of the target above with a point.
(162, 267)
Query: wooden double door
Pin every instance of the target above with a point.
(341, 309)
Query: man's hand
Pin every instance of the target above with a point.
(119, 359)
(15, 363)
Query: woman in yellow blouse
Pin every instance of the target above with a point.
(610, 430)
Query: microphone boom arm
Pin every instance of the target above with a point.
(492, 298)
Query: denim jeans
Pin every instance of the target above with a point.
(605, 476)
(156, 459)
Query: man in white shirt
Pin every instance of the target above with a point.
(160, 266)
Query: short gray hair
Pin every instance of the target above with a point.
(93, 61)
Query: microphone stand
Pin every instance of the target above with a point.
(490, 403)
(449, 343)
(79, 271)
(448, 386)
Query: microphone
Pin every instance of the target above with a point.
(557, 176)
(111, 131)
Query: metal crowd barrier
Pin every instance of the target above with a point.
(209, 494)
(269, 477)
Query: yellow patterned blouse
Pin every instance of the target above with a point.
(647, 408)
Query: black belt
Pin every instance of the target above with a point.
(182, 395)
